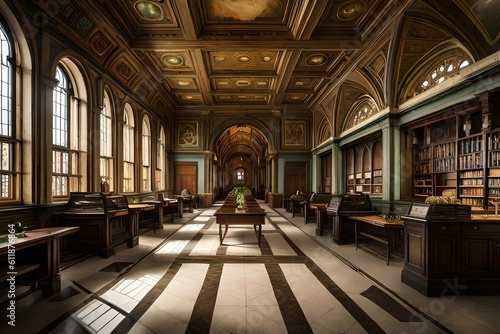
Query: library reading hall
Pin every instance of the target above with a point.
(250, 166)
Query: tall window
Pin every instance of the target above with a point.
(160, 160)
(65, 131)
(7, 173)
(146, 154)
(240, 176)
(128, 150)
(106, 159)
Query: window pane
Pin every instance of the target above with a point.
(65, 136)
(5, 86)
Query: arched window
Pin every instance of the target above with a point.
(160, 160)
(7, 142)
(361, 110)
(443, 70)
(65, 131)
(106, 131)
(448, 61)
(128, 150)
(146, 154)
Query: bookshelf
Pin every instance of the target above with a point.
(464, 162)
(493, 148)
(363, 167)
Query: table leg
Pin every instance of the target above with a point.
(226, 227)
(390, 242)
(220, 233)
(388, 246)
(133, 233)
(356, 233)
(258, 232)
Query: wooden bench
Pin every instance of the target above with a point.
(390, 227)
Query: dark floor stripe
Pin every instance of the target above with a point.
(350, 305)
(293, 316)
(265, 249)
(391, 306)
(201, 318)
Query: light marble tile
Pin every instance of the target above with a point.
(279, 246)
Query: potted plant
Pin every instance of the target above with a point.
(447, 208)
(241, 203)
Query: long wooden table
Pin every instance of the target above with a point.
(227, 216)
(390, 227)
(38, 255)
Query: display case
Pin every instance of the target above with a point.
(336, 216)
(103, 219)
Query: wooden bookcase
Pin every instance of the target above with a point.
(363, 167)
(458, 153)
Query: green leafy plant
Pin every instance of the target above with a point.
(441, 200)
(240, 193)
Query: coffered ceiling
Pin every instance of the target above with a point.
(183, 56)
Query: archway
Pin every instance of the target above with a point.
(240, 151)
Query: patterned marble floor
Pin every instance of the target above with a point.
(182, 280)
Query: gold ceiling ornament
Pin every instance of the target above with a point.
(172, 60)
(243, 10)
(316, 59)
(220, 59)
(243, 82)
(266, 58)
(149, 10)
(244, 58)
(350, 10)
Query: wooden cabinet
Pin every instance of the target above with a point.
(444, 243)
(275, 200)
(451, 254)
(481, 249)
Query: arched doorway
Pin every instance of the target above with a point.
(240, 151)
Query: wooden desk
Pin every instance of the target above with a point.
(390, 226)
(38, 254)
(227, 216)
(134, 210)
